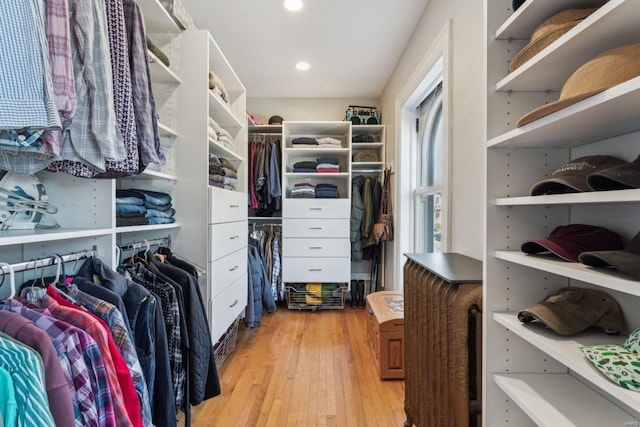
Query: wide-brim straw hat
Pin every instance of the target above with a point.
(548, 32)
(597, 75)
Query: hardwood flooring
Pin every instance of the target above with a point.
(303, 369)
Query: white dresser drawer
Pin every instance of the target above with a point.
(227, 238)
(331, 248)
(226, 270)
(312, 228)
(226, 306)
(317, 208)
(316, 270)
(226, 205)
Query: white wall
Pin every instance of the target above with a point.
(467, 122)
(305, 108)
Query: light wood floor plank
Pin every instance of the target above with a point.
(303, 369)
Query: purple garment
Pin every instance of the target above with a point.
(57, 387)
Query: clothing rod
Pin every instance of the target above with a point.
(266, 133)
(265, 224)
(357, 171)
(52, 260)
(145, 243)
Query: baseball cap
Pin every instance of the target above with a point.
(626, 261)
(275, 120)
(620, 177)
(572, 177)
(571, 310)
(604, 71)
(619, 363)
(569, 241)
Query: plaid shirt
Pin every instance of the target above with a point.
(89, 324)
(27, 373)
(171, 315)
(94, 409)
(112, 317)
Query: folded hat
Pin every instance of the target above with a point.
(365, 156)
(572, 177)
(626, 261)
(571, 310)
(548, 32)
(605, 71)
(569, 241)
(620, 177)
(619, 363)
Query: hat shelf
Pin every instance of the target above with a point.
(565, 351)
(611, 26)
(615, 196)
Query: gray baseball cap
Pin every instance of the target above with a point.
(626, 261)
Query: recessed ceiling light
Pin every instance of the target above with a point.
(293, 5)
(302, 66)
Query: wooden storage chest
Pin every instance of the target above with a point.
(385, 328)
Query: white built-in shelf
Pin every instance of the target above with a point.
(17, 237)
(166, 131)
(532, 13)
(565, 350)
(318, 152)
(156, 18)
(607, 114)
(357, 145)
(160, 73)
(616, 196)
(220, 66)
(275, 129)
(552, 400)
(316, 175)
(154, 227)
(604, 277)
(152, 174)
(220, 150)
(222, 114)
(367, 165)
(612, 25)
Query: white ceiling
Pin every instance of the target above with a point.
(352, 45)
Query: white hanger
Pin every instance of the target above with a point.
(12, 279)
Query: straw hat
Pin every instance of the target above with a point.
(548, 32)
(599, 74)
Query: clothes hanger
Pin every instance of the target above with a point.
(12, 279)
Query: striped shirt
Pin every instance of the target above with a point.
(27, 373)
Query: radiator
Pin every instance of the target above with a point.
(443, 340)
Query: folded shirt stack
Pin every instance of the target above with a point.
(303, 190)
(306, 166)
(302, 141)
(328, 165)
(140, 207)
(221, 135)
(327, 191)
(222, 173)
(328, 142)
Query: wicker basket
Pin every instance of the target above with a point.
(307, 296)
(225, 345)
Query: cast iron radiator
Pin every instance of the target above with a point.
(443, 340)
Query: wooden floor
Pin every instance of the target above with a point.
(301, 369)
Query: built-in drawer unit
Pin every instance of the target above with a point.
(226, 270)
(226, 205)
(312, 270)
(317, 208)
(331, 248)
(315, 228)
(226, 306)
(226, 238)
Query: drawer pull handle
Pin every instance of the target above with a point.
(233, 304)
(315, 247)
(233, 237)
(315, 269)
(233, 206)
(315, 228)
(234, 268)
(315, 209)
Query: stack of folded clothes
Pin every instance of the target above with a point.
(230, 179)
(217, 87)
(302, 141)
(221, 135)
(328, 165)
(303, 190)
(141, 207)
(306, 166)
(326, 191)
(328, 142)
(216, 173)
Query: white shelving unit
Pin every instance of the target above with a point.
(533, 376)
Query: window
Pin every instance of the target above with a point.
(431, 167)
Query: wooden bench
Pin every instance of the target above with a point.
(385, 329)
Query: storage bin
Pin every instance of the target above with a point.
(385, 328)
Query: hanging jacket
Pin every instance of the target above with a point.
(357, 214)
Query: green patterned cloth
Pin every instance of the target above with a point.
(619, 363)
